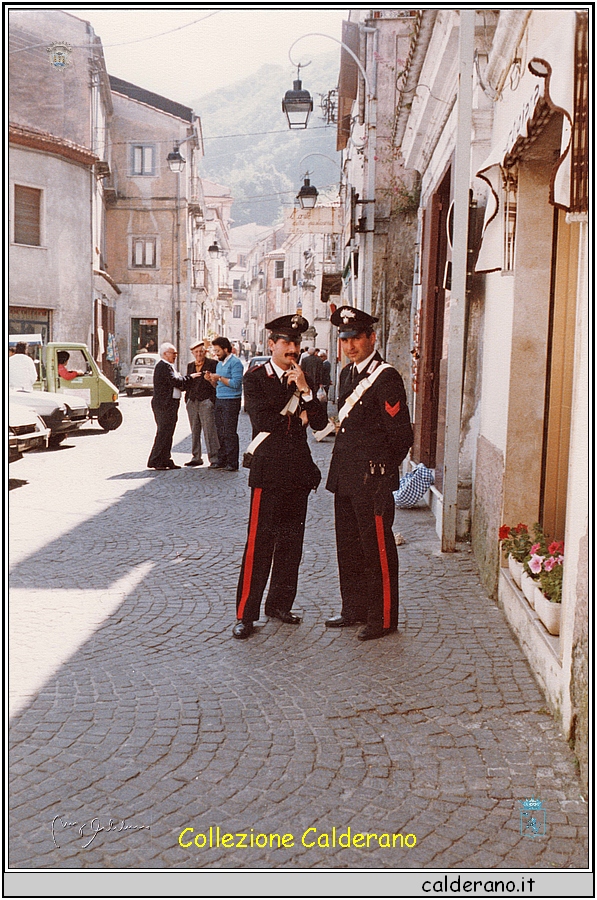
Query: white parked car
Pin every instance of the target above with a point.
(140, 378)
(26, 431)
(61, 413)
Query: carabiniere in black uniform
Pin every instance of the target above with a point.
(371, 443)
(282, 474)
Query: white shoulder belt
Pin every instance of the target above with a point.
(360, 389)
(352, 400)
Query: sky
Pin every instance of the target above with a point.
(223, 45)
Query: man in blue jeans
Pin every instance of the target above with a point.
(228, 381)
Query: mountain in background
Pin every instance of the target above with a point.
(250, 149)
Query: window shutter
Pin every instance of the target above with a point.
(27, 214)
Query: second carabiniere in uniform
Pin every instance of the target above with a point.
(374, 437)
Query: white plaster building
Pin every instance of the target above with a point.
(493, 115)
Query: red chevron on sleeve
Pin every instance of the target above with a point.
(392, 410)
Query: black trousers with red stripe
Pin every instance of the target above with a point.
(367, 557)
(274, 543)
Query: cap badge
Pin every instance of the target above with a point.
(346, 315)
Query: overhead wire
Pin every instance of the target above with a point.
(124, 43)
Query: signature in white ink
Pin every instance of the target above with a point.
(88, 831)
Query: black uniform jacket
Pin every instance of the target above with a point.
(200, 388)
(164, 382)
(283, 460)
(375, 436)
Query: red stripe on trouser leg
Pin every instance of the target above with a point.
(250, 555)
(385, 572)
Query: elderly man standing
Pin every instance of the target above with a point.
(282, 403)
(168, 385)
(373, 438)
(228, 382)
(200, 402)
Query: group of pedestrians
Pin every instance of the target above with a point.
(213, 391)
(372, 437)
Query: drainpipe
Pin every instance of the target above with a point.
(462, 164)
(371, 152)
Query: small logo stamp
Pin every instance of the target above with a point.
(532, 818)
(59, 53)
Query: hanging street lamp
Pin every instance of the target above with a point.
(307, 196)
(297, 104)
(176, 162)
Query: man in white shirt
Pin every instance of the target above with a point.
(22, 373)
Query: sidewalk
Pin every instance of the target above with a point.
(162, 721)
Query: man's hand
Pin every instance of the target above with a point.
(296, 376)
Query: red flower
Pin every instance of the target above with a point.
(520, 528)
(556, 547)
(504, 532)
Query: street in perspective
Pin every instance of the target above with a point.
(142, 732)
(299, 466)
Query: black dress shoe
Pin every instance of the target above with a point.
(194, 462)
(215, 466)
(159, 468)
(342, 622)
(371, 632)
(242, 630)
(172, 465)
(230, 468)
(287, 617)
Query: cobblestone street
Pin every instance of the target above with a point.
(131, 702)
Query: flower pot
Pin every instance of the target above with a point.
(528, 586)
(548, 612)
(515, 570)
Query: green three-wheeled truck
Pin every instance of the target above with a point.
(99, 392)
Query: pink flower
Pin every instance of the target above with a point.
(549, 563)
(535, 563)
(560, 560)
(535, 547)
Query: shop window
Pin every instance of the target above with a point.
(143, 253)
(29, 320)
(143, 159)
(279, 272)
(27, 216)
(144, 335)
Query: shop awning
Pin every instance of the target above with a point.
(550, 90)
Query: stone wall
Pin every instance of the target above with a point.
(487, 505)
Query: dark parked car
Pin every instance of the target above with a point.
(257, 361)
